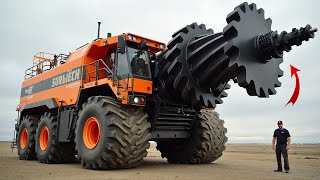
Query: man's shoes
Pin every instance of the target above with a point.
(287, 171)
(277, 170)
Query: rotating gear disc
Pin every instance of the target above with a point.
(259, 77)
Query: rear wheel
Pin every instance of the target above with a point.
(26, 138)
(48, 149)
(205, 145)
(110, 135)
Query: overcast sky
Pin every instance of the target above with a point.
(28, 27)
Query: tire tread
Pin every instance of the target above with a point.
(126, 145)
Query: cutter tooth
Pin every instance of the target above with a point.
(230, 31)
(253, 7)
(220, 87)
(279, 70)
(241, 77)
(176, 40)
(218, 101)
(223, 94)
(244, 7)
(210, 31)
(206, 100)
(263, 93)
(269, 20)
(182, 30)
(251, 89)
(235, 15)
(202, 26)
(272, 91)
(277, 84)
(211, 104)
(280, 73)
(193, 26)
(228, 86)
(202, 100)
(261, 12)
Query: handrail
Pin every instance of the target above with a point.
(36, 68)
(39, 66)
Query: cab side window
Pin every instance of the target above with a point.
(122, 64)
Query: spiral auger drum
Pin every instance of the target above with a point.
(180, 69)
(199, 63)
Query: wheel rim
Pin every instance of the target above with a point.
(23, 138)
(44, 138)
(91, 133)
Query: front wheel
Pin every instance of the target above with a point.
(110, 135)
(205, 144)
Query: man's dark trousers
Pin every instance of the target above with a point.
(281, 149)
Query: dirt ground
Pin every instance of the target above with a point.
(238, 162)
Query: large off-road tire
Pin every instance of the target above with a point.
(205, 145)
(26, 138)
(48, 149)
(110, 135)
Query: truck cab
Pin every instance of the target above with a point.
(122, 62)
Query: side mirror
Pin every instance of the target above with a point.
(121, 45)
(143, 45)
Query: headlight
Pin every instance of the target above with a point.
(161, 46)
(135, 100)
(129, 37)
(134, 38)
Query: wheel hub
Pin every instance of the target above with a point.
(23, 138)
(44, 138)
(91, 133)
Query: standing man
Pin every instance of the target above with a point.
(283, 144)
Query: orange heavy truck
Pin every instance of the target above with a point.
(105, 101)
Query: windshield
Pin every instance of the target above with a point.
(139, 62)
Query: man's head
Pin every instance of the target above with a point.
(280, 124)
